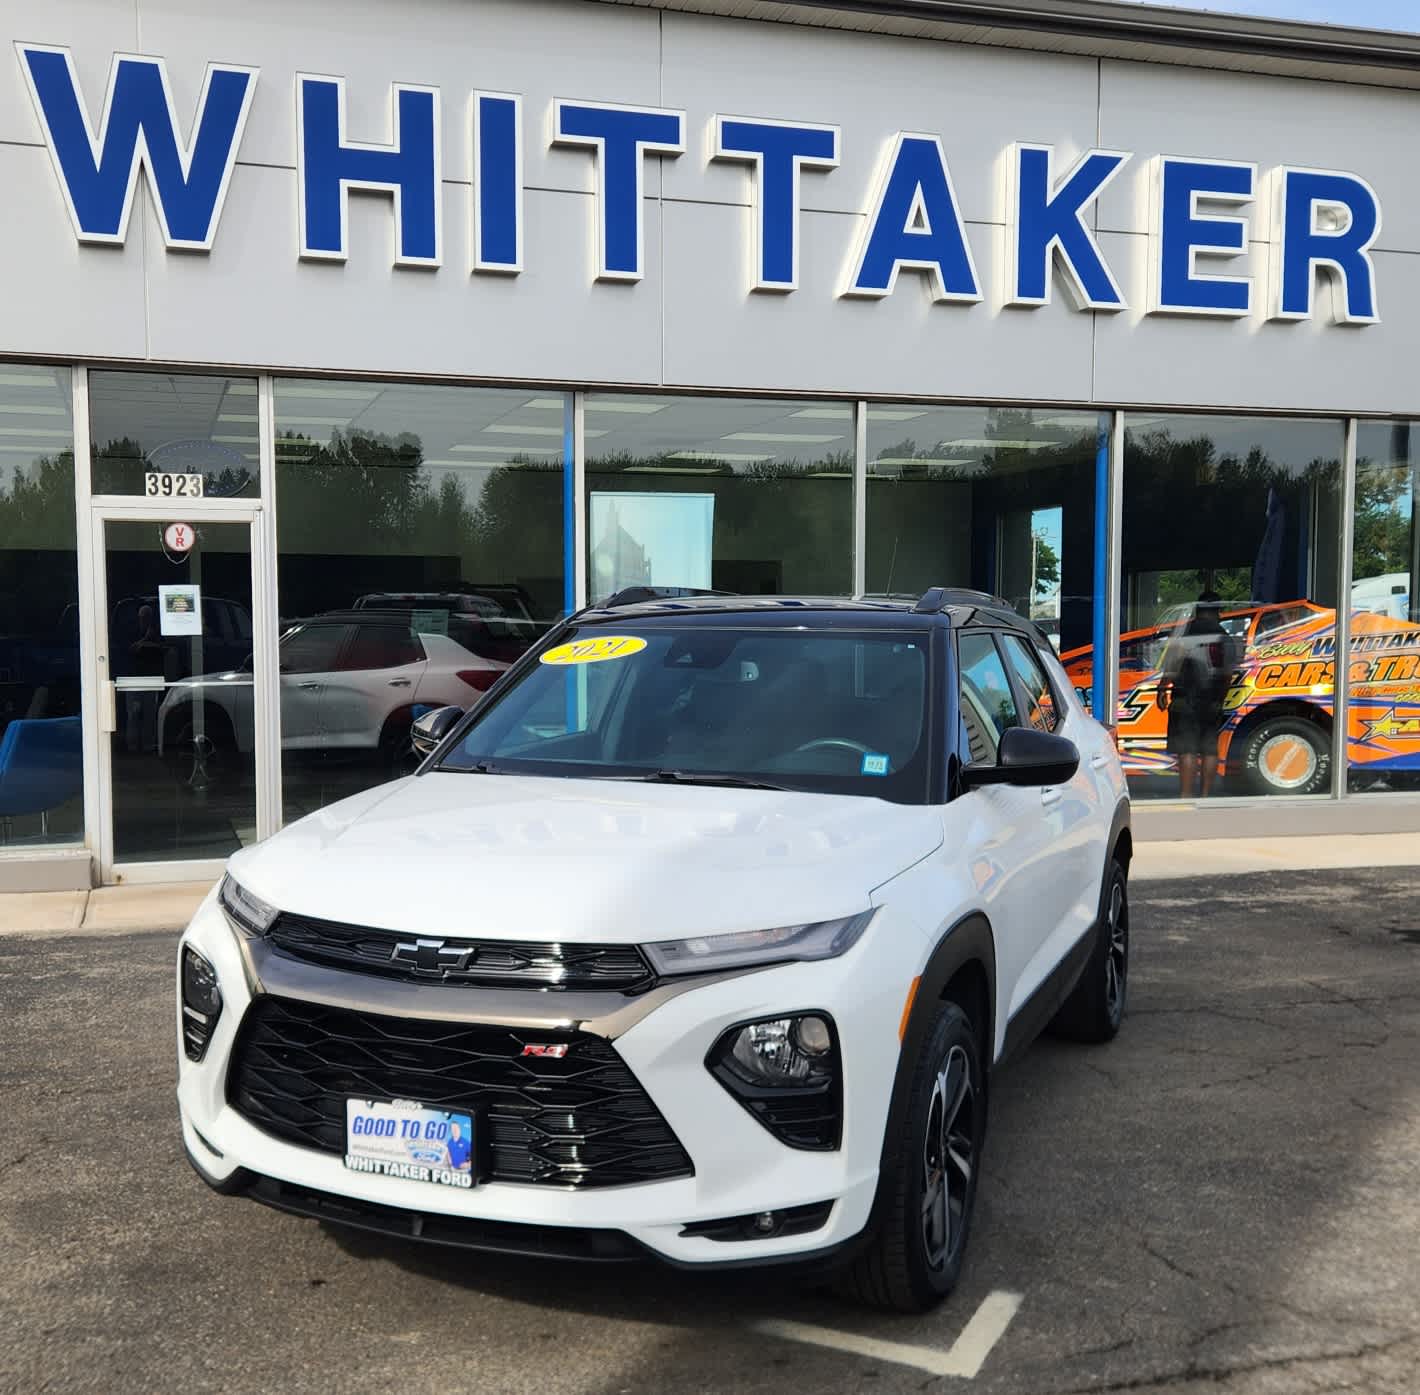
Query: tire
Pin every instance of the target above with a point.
(1287, 755)
(1095, 1008)
(927, 1187)
(208, 761)
(395, 754)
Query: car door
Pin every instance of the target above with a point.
(376, 677)
(309, 653)
(1071, 813)
(1007, 832)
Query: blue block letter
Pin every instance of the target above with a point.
(1049, 222)
(98, 171)
(622, 137)
(328, 166)
(497, 182)
(778, 150)
(915, 223)
(1181, 234)
(1327, 221)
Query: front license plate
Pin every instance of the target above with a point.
(399, 1138)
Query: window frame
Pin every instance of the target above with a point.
(990, 633)
(338, 653)
(1033, 650)
(342, 664)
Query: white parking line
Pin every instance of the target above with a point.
(964, 1358)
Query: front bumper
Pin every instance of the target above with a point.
(739, 1167)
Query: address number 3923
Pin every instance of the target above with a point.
(172, 486)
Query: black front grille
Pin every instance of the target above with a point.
(580, 1120)
(434, 958)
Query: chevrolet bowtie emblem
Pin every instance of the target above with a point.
(432, 956)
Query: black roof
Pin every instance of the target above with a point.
(940, 605)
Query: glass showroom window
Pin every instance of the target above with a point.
(41, 762)
(999, 499)
(173, 435)
(420, 552)
(1383, 751)
(726, 494)
(1231, 541)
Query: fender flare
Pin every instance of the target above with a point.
(968, 939)
(1118, 829)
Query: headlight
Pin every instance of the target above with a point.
(201, 1002)
(250, 912)
(823, 939)
(782, 1051)
(786, 1072)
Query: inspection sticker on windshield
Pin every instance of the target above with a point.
(874, 764)
(594, 651)
(399, 1138)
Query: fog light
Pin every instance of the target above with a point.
(201, 1003)
(766, 1223)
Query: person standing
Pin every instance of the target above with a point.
(1193, 687)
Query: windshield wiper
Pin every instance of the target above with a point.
(479, 767)
(698, 777)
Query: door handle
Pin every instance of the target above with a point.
(1099, 760)
(1050, 795)
(400, 682)
(309, 687)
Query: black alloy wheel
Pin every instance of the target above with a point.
(1116, 959)
(1094, 1011)
(912, 1256)
(948, 1162)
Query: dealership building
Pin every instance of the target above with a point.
(349, 345)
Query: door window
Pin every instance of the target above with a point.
(180, 770)
(1041, 710)
(312, 648)
(382, 646)
(988, 707)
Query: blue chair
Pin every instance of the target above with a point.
(41, 767)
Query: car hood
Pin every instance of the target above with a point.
(231, 678)
(590, 860)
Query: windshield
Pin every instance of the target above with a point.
(831, 712)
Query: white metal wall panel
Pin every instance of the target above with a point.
(60, 298)
(1270, 121)
(720, 335)
(94, 29)
(691, 321)
(1310, 366)
(974, 98)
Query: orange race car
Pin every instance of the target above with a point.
(1276, 733)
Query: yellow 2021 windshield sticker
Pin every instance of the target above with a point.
(595, 651)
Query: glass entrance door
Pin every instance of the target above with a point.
(175, 651)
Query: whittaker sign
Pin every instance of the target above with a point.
(1320, 224)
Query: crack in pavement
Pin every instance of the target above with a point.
(1331, 1318)
(1197, 1371)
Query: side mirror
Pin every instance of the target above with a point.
(1027, 757)
(430, 729)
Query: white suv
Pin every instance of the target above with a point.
(699, 938)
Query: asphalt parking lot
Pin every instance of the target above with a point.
(1225, 1199)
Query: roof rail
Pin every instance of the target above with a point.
(635, 595)
(937, 598)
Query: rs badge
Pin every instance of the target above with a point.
(556, 1049)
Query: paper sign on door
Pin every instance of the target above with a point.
(180, 610)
